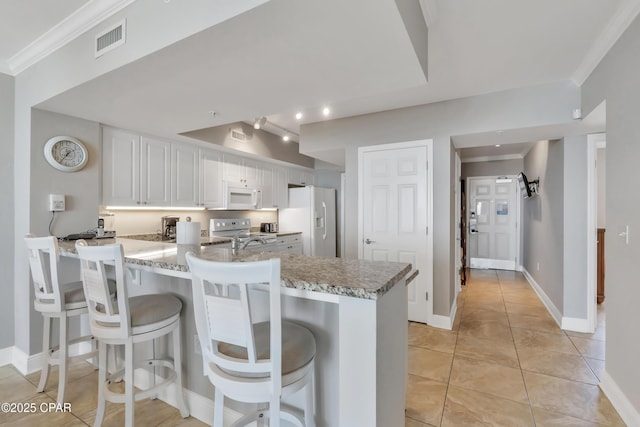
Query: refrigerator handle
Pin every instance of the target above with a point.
(324, 221)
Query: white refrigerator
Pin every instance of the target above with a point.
(312, 210)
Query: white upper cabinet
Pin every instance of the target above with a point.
(241, 172)
(274, 189)
(155, 170)
(185, 178)
(120, 167)
(210, 179)
(301, 177)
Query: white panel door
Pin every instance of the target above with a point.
(395, 216)
(492, 223)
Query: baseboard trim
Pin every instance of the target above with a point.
(630, 415)
(445, 322)
(551, 308)
(576, 324)
(28, 364)
(199, 406)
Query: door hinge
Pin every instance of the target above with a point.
(426, 295)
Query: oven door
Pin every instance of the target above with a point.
(240, 198)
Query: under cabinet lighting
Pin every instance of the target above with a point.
(154, 208)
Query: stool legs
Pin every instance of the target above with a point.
(177, 366)
(218, 408)
(46, 353)
(309, 395)
(102, 378)
(128, 384)
(63, 363)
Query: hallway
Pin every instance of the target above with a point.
(506, 363)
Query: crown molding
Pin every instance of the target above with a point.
(617, 25)
(83, 19)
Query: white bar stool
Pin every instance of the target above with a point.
(54, 300)
(128, 321)
(246, 361)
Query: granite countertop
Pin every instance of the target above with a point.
(339, 276)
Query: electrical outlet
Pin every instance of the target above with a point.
(196, 345)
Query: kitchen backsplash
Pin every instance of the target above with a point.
(146, 222)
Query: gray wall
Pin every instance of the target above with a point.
(543, 219)
(616, 80)
(516, 108)
(6, 213)
(492, 168)
(259, 143)
(575, 228)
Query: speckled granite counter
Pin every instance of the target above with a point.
(355, 278)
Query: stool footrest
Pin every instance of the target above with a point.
(117, 397)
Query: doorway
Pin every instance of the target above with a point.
(492, 222)
(395, 208)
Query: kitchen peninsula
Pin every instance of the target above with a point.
(357, 310)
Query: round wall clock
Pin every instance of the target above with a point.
(66, 153)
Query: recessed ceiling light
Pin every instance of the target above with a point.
(497, 145)
(285, 138)
(326, 111)
(298, 115)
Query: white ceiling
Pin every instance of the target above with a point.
(287, 56)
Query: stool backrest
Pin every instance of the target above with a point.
(223, 318)
(48, 297)
(108, 318)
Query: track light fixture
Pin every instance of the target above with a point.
(259, 122)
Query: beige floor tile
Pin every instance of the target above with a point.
(571, 398)
(430, 364)
(526, 298)
(15, 387)
(499, 351)
(40, 414)
(543, 323)
(489, 378)
(75, 371)
(432, 338)
(479, 314)
(513, 307)
(549, 419)
(527, 339)
(425, 400)
(597, 366)
(562, 365)
(470, 408)
(593, 349)
(409, 422)
(486, 329)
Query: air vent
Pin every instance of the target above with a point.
(111, 38)
(238, 135)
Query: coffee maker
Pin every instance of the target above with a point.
(169, 227)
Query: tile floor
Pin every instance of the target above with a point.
(505, 363)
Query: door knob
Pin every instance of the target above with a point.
(368, 241)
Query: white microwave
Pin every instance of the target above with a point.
(241, 198)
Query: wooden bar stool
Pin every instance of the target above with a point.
(128, 321)
(54, 300)
(246, 361)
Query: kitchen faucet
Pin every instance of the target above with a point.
(253, 239)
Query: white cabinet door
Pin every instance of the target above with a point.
(210, 179)
(252, 173)
(120, 167)
(185, 179)
(155, 172)
(301, 177)
(233, 170)
(275, 192)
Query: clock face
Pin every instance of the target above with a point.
(66, 153)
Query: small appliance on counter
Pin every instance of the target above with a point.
(169, 224)
(105, 226)
(269, 227)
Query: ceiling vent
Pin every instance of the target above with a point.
(111, 38)
(238, 135)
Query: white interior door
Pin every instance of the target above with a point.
(493, 231)
(396, 213)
